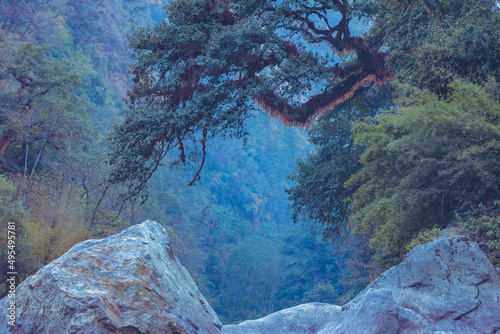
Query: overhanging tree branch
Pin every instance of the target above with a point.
(207, 65)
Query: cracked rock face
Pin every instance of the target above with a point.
(446, 286)
(130, 282)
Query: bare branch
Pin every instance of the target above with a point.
(203, 143)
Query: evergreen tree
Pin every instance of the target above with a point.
(202, 71)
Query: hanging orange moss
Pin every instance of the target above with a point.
(372, 73)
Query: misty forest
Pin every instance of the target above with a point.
(293, 149)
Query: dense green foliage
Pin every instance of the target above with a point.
(424, 161)
(41, 107)
(429, 44)
(60, 85)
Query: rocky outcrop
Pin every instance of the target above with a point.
(130, 282)
(133, 283)
(446, 286)
(303, 319)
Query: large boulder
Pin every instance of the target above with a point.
(130, 282)
(303, 319)
(445, 286)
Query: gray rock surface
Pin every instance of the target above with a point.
(303, 319)
(446, 286)
(130, 282)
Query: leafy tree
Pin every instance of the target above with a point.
(28, 18)
(430, 43)
(201, 72)
(41, 106)
(319, 193)
(423, 162)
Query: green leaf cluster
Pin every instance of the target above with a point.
(424, 236)
(42, 109)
